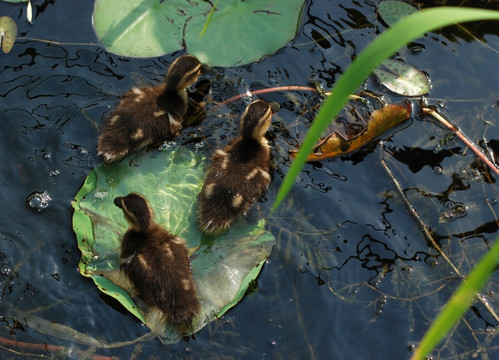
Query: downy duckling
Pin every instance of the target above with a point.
(239, 174)
(150, 115)
(156, 262)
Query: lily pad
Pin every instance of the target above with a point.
(239, 32)
(392, 11)
(402, 79)
(144, 28)
(223, 266)
(242, 32)
(8, 33)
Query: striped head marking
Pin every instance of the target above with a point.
(256, 119)
(136, 210)
(184, 72)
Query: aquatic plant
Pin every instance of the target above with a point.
(381, 48)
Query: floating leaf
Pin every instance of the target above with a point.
(8, 33)
(402, 79)
(393, 11)
(222, 266)
(241, 32)
(380, 121)
(144, 28)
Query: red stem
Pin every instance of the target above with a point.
(43, 347)
(263, 91)
(463, 137)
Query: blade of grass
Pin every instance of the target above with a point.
(380, 49)
(208, 20)
(458, 303)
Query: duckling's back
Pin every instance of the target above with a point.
(237, 176)
(158, 266)
(140, 121)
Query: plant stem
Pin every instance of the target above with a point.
(263, 91)
(463, 137)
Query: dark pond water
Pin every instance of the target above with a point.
(352, 276)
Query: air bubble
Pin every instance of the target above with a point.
(38, 201)
(457, 211)
(438, 170)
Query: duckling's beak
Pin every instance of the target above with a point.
(119, 202)
(205, 68)
(274, 107)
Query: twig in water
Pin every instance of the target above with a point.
(426, 228)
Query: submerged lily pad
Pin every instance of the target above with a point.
(8, 33)
(393, 11)
(222, 266)
(402, 78)
(239, 32)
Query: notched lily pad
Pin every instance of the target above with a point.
(393, 11)
(223, 266)
(144, 28)
(402, 79)
(8, 33)
(239, 32)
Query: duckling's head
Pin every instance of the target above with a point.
(184, 72)
(136, 210)
(255, 120)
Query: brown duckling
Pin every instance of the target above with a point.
(150, 115)
(157, 262)
(239, 174)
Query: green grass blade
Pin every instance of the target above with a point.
(381, 48)
(458, 303)
(208, 20)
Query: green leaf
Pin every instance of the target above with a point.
(393, 11)
(144, 28)
(459, 303)
(402, 79)
(381, 48)
(8, 33)
(239, 32)
(222, 266)
(242, 32)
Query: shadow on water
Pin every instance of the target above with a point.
(351, 275)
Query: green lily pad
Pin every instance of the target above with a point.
(239, 32)
(8, 33)
(223, 266)
(144, 28)
(242, 32)
(402, 79)
(393, 11)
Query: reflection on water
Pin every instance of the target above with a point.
(352, 274)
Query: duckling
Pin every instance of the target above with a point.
(239, 174)
(156, 262)
(150, 115)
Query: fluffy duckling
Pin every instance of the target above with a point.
(150, 115)
(156, 262)
(239, 174)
